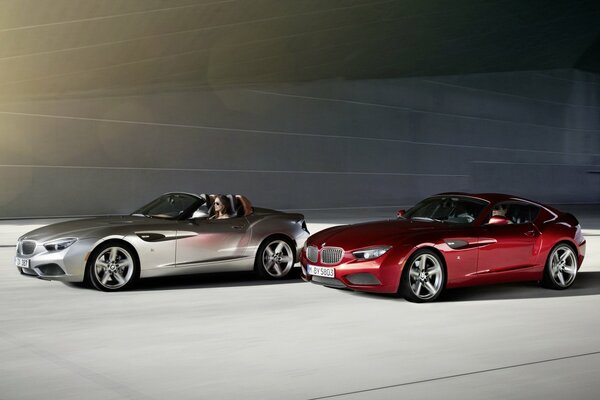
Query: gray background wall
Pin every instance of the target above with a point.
(322, 144)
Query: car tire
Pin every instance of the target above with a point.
(113, 266)
(561, 267)
(275, 258)
(423, 278)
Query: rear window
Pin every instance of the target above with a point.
(516, 212)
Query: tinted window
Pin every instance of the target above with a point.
(516, 213)
(453, 209)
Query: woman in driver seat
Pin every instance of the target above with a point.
(221, 208)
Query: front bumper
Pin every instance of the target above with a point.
(375, 276)
(66, 265)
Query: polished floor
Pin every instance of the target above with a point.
(232, 336)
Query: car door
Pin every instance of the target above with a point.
(207, 243)
(509, 246)
(461, 250)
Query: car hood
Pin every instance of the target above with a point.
(350, 237)
(92, 227)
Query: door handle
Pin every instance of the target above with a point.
(238, 227)
(530, 233)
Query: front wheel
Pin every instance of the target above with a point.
(561, 267)
(275, 258)
(113, 267)
(423, 278)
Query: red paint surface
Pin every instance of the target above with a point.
(494, 253)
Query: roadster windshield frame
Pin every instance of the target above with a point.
(171, 206)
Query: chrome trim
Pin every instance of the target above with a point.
(331, 255)
(450, 194)
(554, 215)
(312, 253)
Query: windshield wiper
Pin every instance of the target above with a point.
(427, 219)
(141, 215)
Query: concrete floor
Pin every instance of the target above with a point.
(232, 336)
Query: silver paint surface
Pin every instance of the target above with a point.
(188, 246)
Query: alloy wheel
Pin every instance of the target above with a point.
(425, 276)
(277, 258)
(562, 266)
(113, 268)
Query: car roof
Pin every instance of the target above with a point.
(490, 197)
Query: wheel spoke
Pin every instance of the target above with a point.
(269, 251)
(419, 288)
(113, 254)
(414, 273)
(119, 278)
(570, 269)
(565, 255)
(430, 287)
(433, 271)
(105, 277)
(277, 268)
(422, 262)
(286, 259)
(100, 263)
(279, 247)
(123, 264)
(560, 277)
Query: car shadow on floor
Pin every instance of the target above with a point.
(586, 284)
(213, 280)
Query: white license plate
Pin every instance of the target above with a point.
(22, 262)
(327, 272)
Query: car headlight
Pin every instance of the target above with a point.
(59, 244)
(371, 253)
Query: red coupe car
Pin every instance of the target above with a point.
(446, 241)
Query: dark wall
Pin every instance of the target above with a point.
(324, 144)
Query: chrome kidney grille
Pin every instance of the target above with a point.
(312, 253)
(27, 247)
(331, 255)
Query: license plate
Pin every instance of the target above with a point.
(22, 262)
(327, 272)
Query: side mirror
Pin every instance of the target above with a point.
(400, 213)
(498, 220)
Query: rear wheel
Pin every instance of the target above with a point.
(275, 258)
(423, 278)
(561, 267)
(112, 267)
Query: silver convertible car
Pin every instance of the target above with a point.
(178, 233)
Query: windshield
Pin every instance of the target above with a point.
(453, 209)
(170, 206)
